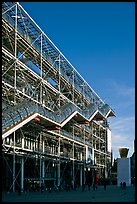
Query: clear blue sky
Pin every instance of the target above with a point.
(98, 38)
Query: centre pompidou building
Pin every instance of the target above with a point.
(54, 125)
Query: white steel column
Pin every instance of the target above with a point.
(84, 157)
(73, 133)
(73, 87)
(80, 175)
(59, 82)
(54, 172)
(59, 131)
(22, 174)
(43, 161)
(41, 94)
(40, 159)
(22, 168)
(105, 169)
(22, 141)
(73, 175)
(15, 53)
(15, 93)
(59, 163)
(14, 163)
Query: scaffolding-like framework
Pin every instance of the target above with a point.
(51, 117)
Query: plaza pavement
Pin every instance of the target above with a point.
(111, 194)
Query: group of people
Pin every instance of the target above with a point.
(89, 184)
(123, 185)
(94, 185)
(90, 181)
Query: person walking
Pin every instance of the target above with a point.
(105, 184)
(124, 185)
(94, 186)
(83, 187)
(121, 185)
(86, 180)
(42, 188)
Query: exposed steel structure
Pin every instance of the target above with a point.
(53, 123)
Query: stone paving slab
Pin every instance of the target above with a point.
(111, 194)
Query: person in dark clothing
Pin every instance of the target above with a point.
(121, 185)
(105, 185)
(94, 186)
(75, 186)
(83, 187)
(124, 185)
(42, 188)
(89, 186)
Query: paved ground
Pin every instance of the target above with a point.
(112, 194)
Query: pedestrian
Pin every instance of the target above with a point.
(75, 186)
(105, 185)
(124, 185)
(42, 188)
(83, 187)
(86, 180)
(89, 186)
(94, 186)
(121, 185)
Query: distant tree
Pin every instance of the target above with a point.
(114, 167)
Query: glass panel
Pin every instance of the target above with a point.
(104, 109)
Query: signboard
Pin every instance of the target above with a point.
(89, 155)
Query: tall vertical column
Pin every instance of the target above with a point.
(84, 180)
(73, 84)
(73, 161)
(105, 169)
(43, 162)
(22, 168)
(59, 172)
(59, 163)
(59, 84)
(43, 170)
(73, 99)
(59, 129)
(15, 49)
(80, 175)
(14, 163)
(54, 166)
(84, 157)
(40, 159)
(22, 174)
(41, 94)
(15, 53)
(22, 142)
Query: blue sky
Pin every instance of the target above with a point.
(98, 38)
